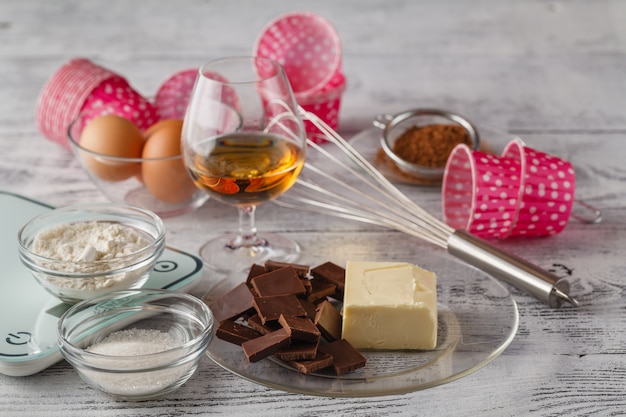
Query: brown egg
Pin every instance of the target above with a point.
(167, 180)
(116, 137)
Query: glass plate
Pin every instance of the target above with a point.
(478, 319)
(367, 142)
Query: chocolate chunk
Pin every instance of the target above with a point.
(333, 274)
(235, 303)
(266, 345)
(298, 351)
(320, 289)
(306, 283)
(236, 333)
(309, 307)
(322, 360)
(254, 322)
(345, 357)
(328, 321)
(301, 270)
(282, 281)
(300, 328)
(254, 271)
(270, 308)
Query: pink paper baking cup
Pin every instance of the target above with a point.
(173, 95)
(63, 95)
(335, 86)
(546, 193)
(324, 105)
(307, 46)
(116, 96)
(480, 192)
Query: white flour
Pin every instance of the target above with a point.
(87, 242)
(90, 247)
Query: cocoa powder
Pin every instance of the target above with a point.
(429, 145)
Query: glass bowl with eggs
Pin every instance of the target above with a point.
(86, 250)
(139, 168)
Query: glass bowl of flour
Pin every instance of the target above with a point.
(82, 251)
(136, 344)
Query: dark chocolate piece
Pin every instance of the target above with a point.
(283, 281)
(301, 270)
(322, 360)
(298, 351)
(320, 289)
(235, 303)
(270, 308)
(328, 321)
(254, 322)
(300, 328)
(307, 285)
(333, 274)
(345, 357)
(236, 333)
(266, 345)
(309, 307)
(254, 271)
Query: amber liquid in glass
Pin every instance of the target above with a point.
(246, 168)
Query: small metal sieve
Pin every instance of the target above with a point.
(393, 126)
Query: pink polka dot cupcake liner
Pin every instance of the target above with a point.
(306, 45)
(309, 49)
(480, 192)
(522, 192)
(64, 94)
(116, 96)
(324, 105)
(173, 95)
(81, 87)
(546, 193)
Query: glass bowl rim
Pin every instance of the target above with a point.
(82, 358)
(387, 122)
(152, 250)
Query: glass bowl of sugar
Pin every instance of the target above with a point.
(82, 251)
(136, 344)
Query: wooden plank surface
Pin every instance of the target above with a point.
(551, 72)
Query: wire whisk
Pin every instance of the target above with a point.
(346, 185)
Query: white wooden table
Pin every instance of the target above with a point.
(549, 71)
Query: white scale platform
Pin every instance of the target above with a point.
(29, 314)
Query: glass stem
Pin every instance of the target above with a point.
(247, 236)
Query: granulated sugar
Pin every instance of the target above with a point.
(135, 344)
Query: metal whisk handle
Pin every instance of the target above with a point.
(511, 269)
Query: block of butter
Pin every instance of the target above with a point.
(389, 305)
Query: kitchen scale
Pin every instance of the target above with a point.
(29, 314)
